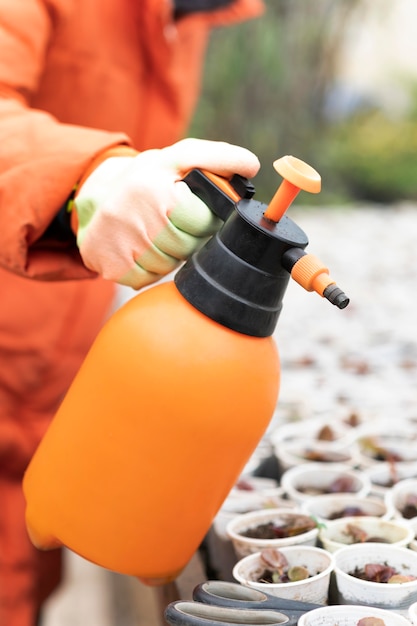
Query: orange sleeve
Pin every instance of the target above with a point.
(41, 159)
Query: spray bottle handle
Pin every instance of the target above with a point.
(218, 193)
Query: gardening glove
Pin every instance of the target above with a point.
(137, 219)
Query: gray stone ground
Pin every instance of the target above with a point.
(362, 359)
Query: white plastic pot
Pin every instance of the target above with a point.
(407, 452)
(249, 545)
(308, 480)
(396, 497)
(237, 504)
(393, 596)
(326, 506)
(413, 525)
(412, 613)
(340, 615)
(319, 563)
(384, 476)
(292, 453)
(311, 428)
(335, 533)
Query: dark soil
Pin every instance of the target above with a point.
(324, 457)
(343, 484)
(291, 527)
(380, 573)
(349, 511)
(409, 510)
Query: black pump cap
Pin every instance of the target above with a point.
(237, 278)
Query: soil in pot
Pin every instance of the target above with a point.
(324, 456)
(348, 511)
(380, 573)
(387, 484)
(289, 527)
(342, 484)
(409, 509)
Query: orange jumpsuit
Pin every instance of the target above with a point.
(76, 77)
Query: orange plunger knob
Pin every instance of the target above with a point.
(297, 176)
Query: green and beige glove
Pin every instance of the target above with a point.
(138, 220)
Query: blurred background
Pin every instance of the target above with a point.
(333, 83)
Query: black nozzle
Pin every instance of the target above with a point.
(336, 296)
(332, 292)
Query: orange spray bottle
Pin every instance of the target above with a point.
(176, 392)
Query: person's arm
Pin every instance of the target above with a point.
(40, 159)
(136, 219)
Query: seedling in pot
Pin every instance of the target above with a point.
(376, 451)
(353, 420)
(371, 621)
(326, 433)
(324, 456)
(277, 569)
(358, 535)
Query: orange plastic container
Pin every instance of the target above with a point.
(174, 395)
(156, 428)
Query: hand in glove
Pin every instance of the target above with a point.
(137, 220)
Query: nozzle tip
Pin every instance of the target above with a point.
(336, 296)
